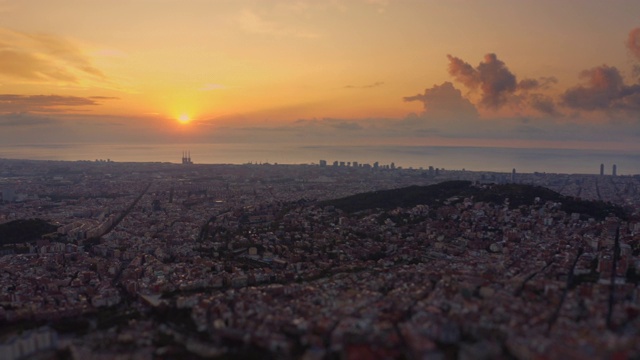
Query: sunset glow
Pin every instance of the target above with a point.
(184, 118)
(320, 179)
(323, 72)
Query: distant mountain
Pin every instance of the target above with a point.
(24, 230)
(436, 196)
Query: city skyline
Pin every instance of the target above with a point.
(371, 72)
(110, 259)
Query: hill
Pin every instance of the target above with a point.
(436, 195)
(24, 230)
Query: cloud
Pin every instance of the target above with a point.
(492, 76)
(64, 50)
(447, 114)
(528, 84)
(104, 98)
(604, 89)
(24, 120)
(44, 58)
(636, 70)
(498, 86)
(463, 72)
(541, 83)
(633, 42)
(44, 103)
(328, 124)
(370, 86)
(543, 104)
(444, 102)
(345, 125)
(30, 67)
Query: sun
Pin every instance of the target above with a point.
(184, 118)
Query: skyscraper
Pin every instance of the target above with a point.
(601, 169)
(614, 171)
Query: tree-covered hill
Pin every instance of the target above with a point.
(404, 197)
(436, 195)
(24, 230)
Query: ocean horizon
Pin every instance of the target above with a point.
(496, 159)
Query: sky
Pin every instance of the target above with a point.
(539, 74)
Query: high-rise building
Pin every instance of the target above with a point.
(323, 163)
(601, 169)
(614, 171)
(513, 175)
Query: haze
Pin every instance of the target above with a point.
(538, 74)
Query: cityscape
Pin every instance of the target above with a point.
(319, 179)
(104, 260)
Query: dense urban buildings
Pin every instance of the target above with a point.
(159, 260)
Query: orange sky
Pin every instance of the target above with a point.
(128, 70)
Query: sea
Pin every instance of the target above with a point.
(495, 159)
